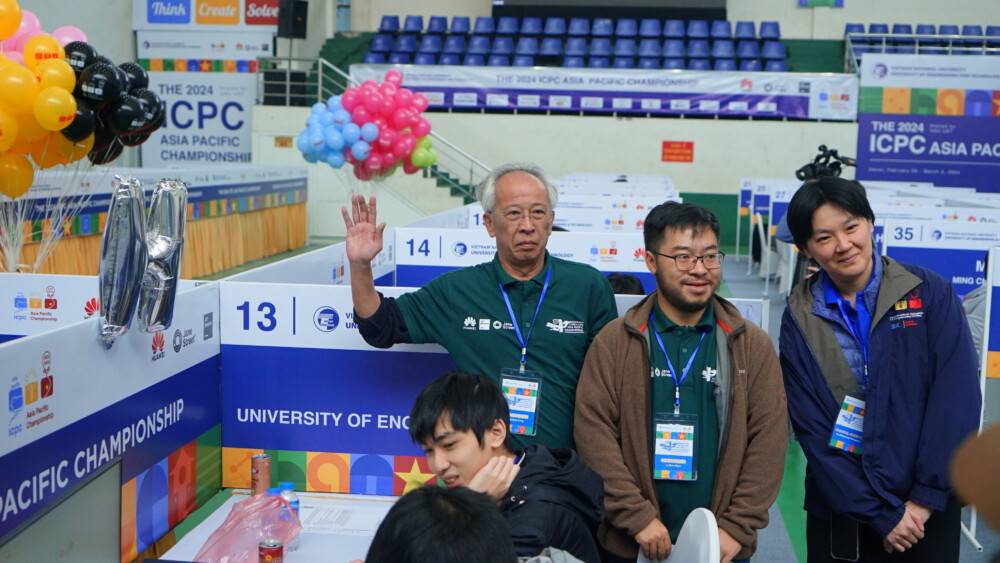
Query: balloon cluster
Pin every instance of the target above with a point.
(377, 128)
(61, 101)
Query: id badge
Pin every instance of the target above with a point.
(848, 429)
(674, 447)
(522, 389)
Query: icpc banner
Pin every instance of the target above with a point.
(206, 15)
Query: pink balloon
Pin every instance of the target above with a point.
(380, 121)
(422, 127)
(373, 101)
(404, 97)
(386, 138)
(388, 89)
(374, 162)
(23, 38)
(15, 57)
(404, 146)
(409, 168)
(369, 85)
(389, 160)
(402, 118)
(361, 174)
(68, 34)
(388, 106)
(350, 99)
(361, 115)
(394, 77)
(7, 45)
(420, 101)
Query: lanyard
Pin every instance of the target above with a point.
(517, 328)
(857, 331)
(673, 372)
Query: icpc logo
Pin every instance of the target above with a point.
(29, 391)
(326, 319)
(158, 343)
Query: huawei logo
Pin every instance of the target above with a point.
(158, 342)
(91, 307)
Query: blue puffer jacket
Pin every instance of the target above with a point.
(923, 397)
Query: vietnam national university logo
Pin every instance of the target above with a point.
(168, 11)
(326, 319)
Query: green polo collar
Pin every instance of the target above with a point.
(506, 279)
(662, 322)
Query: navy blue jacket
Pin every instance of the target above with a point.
(923, 396)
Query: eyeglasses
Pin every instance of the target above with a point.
(516, 215)
(685, 262)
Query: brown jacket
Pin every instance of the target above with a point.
(613, 420)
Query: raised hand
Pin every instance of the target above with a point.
(364, 234)
(495, 477)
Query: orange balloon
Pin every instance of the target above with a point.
(28, 127)
(45, 154)
(10, 18)
(20, 146)
(55, 108)
(73, 151)
(16, 175)
(55, 73)
(8, 130)
(18, 88)
(42, 48)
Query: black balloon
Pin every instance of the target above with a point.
(133, 140)
(99, 84)
(113, 151)
(137, 77)
(105, 60)
(126, 116)
(83, 123)
(80, 55)
(154, 105)
(103, 135)
(155, 124)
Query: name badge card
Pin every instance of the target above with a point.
(522, 389)
(848, 428)
(674, 447)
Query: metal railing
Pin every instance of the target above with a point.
(304, 82)
(858, 44)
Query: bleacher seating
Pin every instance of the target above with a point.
(424, 59)
(623, 62)
(437, 25)
(699, 64)
(524, 60)
(602, 27)
(479, 45)
(649, 63)
(650, 28)
(626, 27)
(413, 24)
(531, 27)
(625, 48)
(498, 60)
(502, 45)
(382, 44)
(922, 39)
(673, 48)
(576, 47)
(473, 60)
(573, 62)
(373, 58)
(649, 48)
(399, 59)
(770, 30)
(698, 49)
(454, 45)
(697, 29)
(579, 27)
(750, 65)
(389, 24)
(450, 59)
(460, 25)
(674, 29)
(430, 44)
(677, 64)
(724, 64)
(527, 46)
(406, 44)
(746, 30)
(484, 26)
(507, 26)
(600, 47)
(598, 62)
(723, 49)
(551, 47)
(721, 29)
(555, 27)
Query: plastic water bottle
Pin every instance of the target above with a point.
(268, 519)
(288, 493)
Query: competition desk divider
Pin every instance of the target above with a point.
(595, 214)
(151, 401)
(991, 353)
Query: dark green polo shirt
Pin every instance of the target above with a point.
(464, 311)
(679, 498)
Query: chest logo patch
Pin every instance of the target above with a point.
(565, 326)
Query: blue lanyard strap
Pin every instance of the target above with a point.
(857, 331)
(670, 366)
(517, 329)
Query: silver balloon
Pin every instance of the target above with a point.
(165, 243)
(123, 259)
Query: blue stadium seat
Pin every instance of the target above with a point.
(598, 62)
(626, 27)
(721, 29)
(674, 29)
(576, 47)
(931, 49)
(437, 25)
(424, 59)
(649, 27)
(413, 24)
(723, 49)
(389, 24)
(902, 29)
(699, 64)
(750, 65)
(498, 60)
(555, 26)
(450, 59)
(770, 30)
(474, 60)
(460, 25)
(746, 30)
(406, 44)
(484, 26)
(649, 48)
(724, 64)
(747, 50)
(910, 49)
(479, 45)
(673, 64)
(623, 62)
(551, 47)
(948, 29)
(649, 62)
(878, 32)
(625, 48)
(573, 62)
(524, 60)
(993, 31)
(973, 31)
(776, 66)
(579, 27)
(507, 25)
(531, 26)
(774, 50)
(673, 48)
(502, 45)
(858, 29)
(600, 47)
(430, 44)
(527, 46)
(927, 29)
(697, 29)
(602, 27)
(374, 58)
(697, 49)
(382, 44)
(399, 59)
(454, 45)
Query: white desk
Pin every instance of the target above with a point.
(336, 528)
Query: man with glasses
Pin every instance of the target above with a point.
(680, 403)
(525, 319)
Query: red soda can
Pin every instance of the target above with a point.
(270, 551)
(260, 474)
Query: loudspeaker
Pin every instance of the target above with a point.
(292, 16)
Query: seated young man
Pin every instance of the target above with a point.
(549, 497)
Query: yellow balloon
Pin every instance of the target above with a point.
(4, 61)
(55, 73)
(16, 175)
(45, 154)
(18, 88)
(28, 127)
(8, 130)
(73, 151)
(55, 108)
(42, 48)
(10, 18)
(20, 146)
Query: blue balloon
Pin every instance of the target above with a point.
(319, 108)
(302, 143)
(335, 159)
(341, 117)
(334, 139)
(333, 104)
(326, 118)
(369, 132)
(313, 119)
(316, 142)
(361, 150)
(312, 157)
(352, 133)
